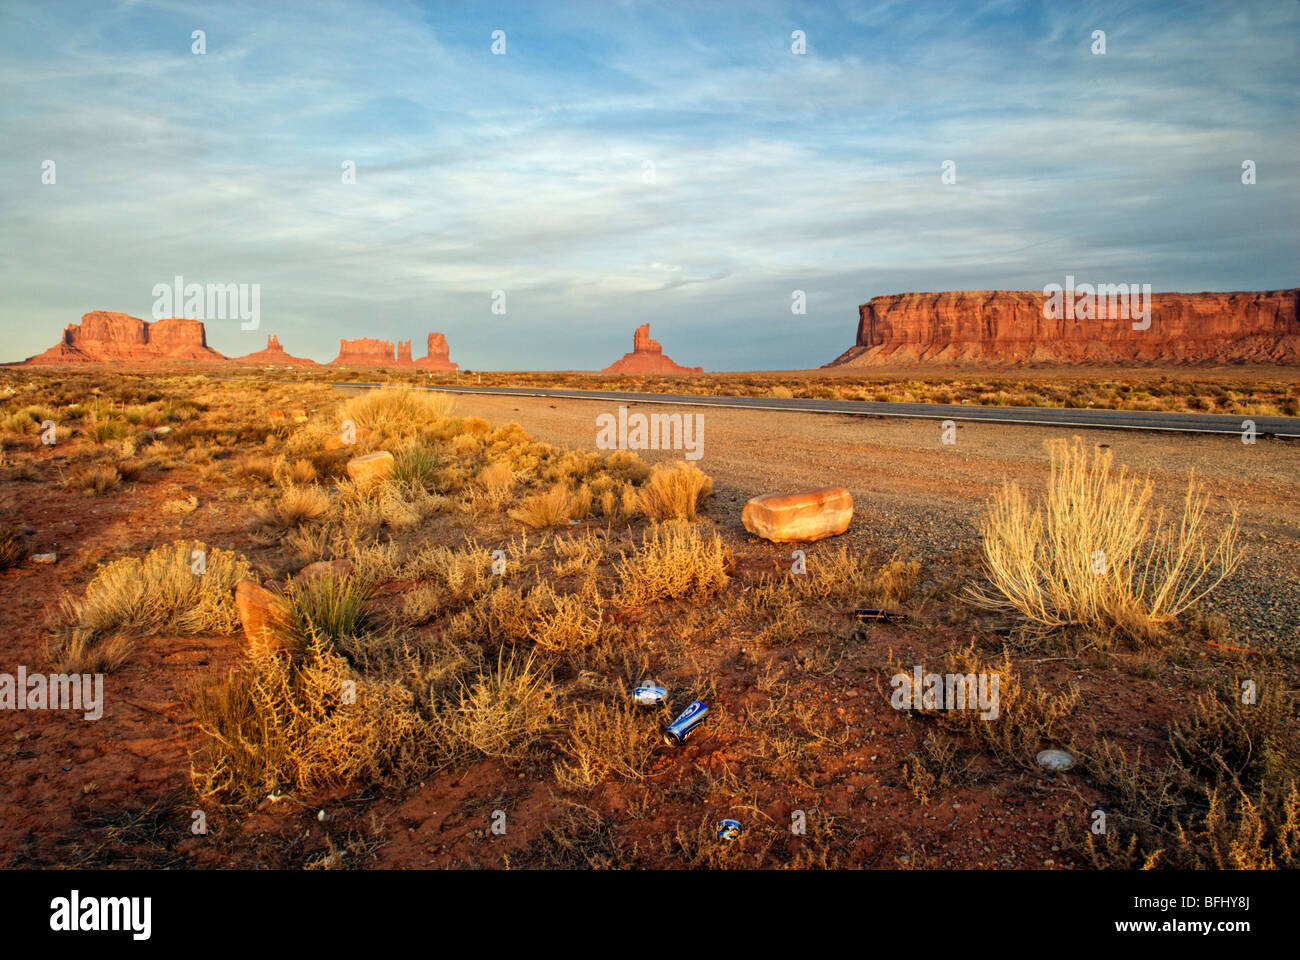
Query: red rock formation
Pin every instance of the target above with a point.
(1008, 327)
(365, 352)
(379, 353)
(273, 353)
(438, 355)
(104, 337)
(647, 356)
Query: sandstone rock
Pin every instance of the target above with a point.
(438, 355)
(44, 558)
(365, 352)
(274, 354)
(261, 613)
(276, 416)
(372, 466)
(647, 356)
(808, 515)
(105, 337)
(337, 441)
(1008, 327)
(322, 568)
(299, 416)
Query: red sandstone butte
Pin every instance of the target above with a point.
(104, 337)
(647, 356)
(1005, 327)
(274, 353)
(366, 352)
(438, 355)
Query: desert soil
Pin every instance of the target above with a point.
(116, 792)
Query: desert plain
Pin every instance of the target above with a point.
(446, 681)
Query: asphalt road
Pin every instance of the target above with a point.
(1043, 416)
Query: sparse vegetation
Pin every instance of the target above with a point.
(185, 587)
(1094, 555)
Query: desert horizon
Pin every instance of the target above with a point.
(685, 443)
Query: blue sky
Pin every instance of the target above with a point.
(526, 172)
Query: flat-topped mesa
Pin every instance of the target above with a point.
(438, 355)
(106, 337)
(1005, 327)
(365, 352)
(274, 353)
(647, 356)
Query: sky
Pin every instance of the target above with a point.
(619, 163)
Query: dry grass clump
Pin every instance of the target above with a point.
(179, 506)
(675, 491)
(1094, 556)
(450, 578)
(503, 712)
(842, 577)
(13, 550)
(299, 473)
(1024, 719)
(606, 740)
(577, 555)
(276, 725)
(674, 562)
(554, 508)
(257, 467)
(104, 431)
(553, 622)
(1228, 740)
(295, 507)
(559, 623)
(932, 769)
(493, 488)
(162, 591)
(96, 480)
(398, 414)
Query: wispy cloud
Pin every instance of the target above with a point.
(527, 172)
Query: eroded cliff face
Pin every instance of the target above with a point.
(1002, 327)
(647, 356)
(106, 337)
(366, 352)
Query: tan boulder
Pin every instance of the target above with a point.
(262, 613)
(276, 415)
(299, 416)
(338, 441)
(371, 467)
(807, 515)
(323, 568)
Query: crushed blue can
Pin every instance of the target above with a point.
(650, 695)
(675, 733)
(728, 829)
